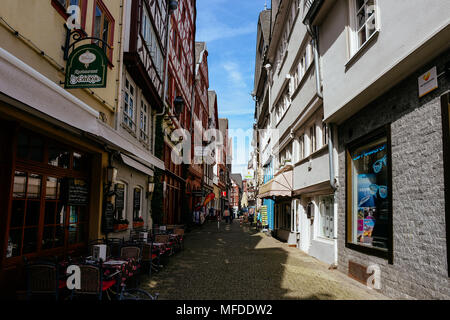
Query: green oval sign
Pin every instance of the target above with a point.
(86, 68)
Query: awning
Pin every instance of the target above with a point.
(279, 186)
(26, 85)
(136, 165)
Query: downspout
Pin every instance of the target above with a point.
(166, 67)
(120, 69)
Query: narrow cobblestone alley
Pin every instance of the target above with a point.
(237, 262)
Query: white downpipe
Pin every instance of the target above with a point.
(46, 81)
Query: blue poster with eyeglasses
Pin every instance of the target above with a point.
(366, 197)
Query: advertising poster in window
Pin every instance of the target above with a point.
(366, 208)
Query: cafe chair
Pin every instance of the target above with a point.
(114, 245)
(180, 233)
(150, 257)
(94, 282)
(43, 279)
(170, 244)
(130, 252)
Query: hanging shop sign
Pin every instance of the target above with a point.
(86, 67)
(428, 82)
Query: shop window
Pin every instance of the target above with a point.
(25, 214)
(80, 161)
(369, 207)
(54, 215)
(58, 156)
(77, 224)
(30, 147)
(103, 27)
(326, 217)
(38, 219)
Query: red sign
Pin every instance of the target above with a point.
(224, 193)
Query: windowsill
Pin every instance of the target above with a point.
(373, 251)
(312, 155)
(361, 50)
(127, 128)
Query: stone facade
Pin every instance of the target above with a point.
(419, 268)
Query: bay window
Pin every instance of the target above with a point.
(369, 204)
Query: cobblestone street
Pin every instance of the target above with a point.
(238, 262)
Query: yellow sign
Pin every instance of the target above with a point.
(264, 216)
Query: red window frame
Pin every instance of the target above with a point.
(105, 11)
(62, 11)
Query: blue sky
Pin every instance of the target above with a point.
(229, 29)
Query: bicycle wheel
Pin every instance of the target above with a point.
(137, 294)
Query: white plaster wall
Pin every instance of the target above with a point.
(403, 24)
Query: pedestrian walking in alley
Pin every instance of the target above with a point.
(226, 214)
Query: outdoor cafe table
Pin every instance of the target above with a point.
(127, 267)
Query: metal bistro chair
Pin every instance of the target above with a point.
(165, 238)
(180, 233)
(151, 257)
(93, 281)
(114, 246)
(43, 279)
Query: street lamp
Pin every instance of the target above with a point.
(173, 5)
(179, 105)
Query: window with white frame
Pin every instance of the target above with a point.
(364, 22)
(282, 48)
(302, 65)
(129, 104)
(151, 41)
(326, 217)
(324, 134)
(301, 147)
(143, 121)
(312, 138)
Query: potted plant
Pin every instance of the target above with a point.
(138, 222)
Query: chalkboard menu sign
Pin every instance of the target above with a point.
(137, 199)
(120, 196)
(108, 217)
(77, 192)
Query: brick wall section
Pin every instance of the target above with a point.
(420, 251)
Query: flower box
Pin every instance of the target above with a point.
(138, 224)
(120, 227)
